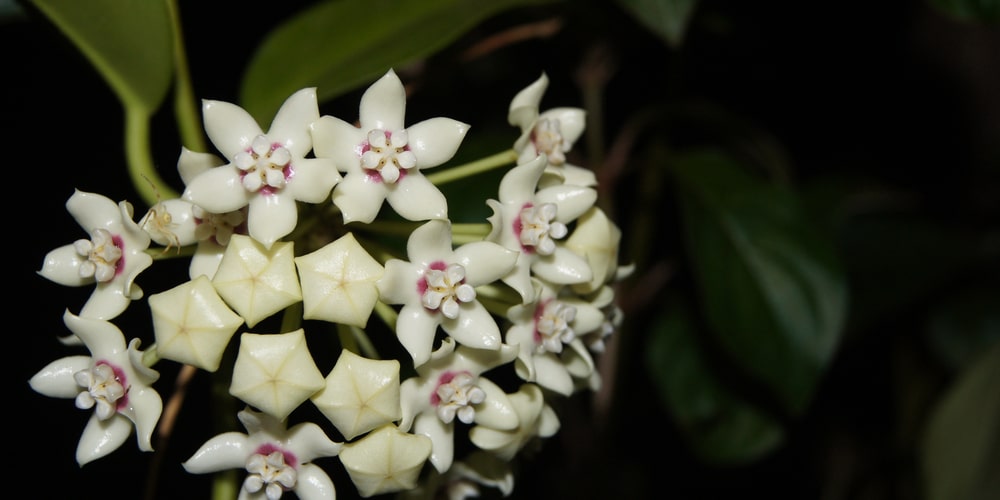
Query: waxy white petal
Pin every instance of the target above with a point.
(383, 105)
(230, 128)
(436, 140)
(386, 460)
(338, 282)
(360, 394)
(257, 282)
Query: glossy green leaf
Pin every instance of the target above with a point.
(720, 426)
(338, 46)
(961, 445)
(667, 18)
(129, 42)
(770, 283)
(970, 10)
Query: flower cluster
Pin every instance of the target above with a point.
(286, 231)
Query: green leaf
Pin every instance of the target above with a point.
(337, 46)
(721, 427)
(129, 42)
(961, 445)
(970, 10)
(667, 18)
(771, 286)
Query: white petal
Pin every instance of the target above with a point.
(518, 184)
(398, 284)
(221, 452)
(230, 128)
(56, 379)
(62, 266)
(309, 442)
(572, 201)
(496, 411)
(415, 329)
(436, 140)
(218, 190)
(93, 211)
(474, 327)
(359, 199)
(314, 179)
(339, 141)
(314, 484)
(275, 372)
(383, 105)
(192, 324)
(101, 437)
(442, 437)
(430, 242)
(291, 123)
(145, 407)
(563, 267)
(551, 374)
(190, 164)
(572, 122)
(416, 198)
(271, 217)
(484, 261)
(257, 282)
(523, 109)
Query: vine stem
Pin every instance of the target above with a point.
(474, 167)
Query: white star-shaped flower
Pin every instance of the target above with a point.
(550, 352)
(551, 133)
(275, 372)
(383, 158)
(112, 380)
(534, 222)
(192, 324)
(276, 459)
(450, 387)
(267, 172)
(437, 287)
(111, 258)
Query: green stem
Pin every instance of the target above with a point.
(387, 314)
(472, 168)
(185, 104)
(361, 338)
(291, 319)
(145, 178)
(347, 340)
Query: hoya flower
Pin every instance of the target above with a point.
(386, 460)
(550, 352)
(275, 372)
(112, 381)
(267, 172)
(276, 459)
(383, 158)
(360, 394)
(112, 256)
(437, 287)
(534, 222)
(463, 479)
(257, 281)
(192, 324)
(338, 282)
(451, 387)
(537, 419)
(551, 133)
(178, 222)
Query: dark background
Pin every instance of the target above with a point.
(895, 91)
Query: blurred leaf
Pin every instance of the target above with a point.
(667, 18)
(961, 446)
(896, 260)
(964, 324)
(721, 427)
(970, 10)
(770, 284)
(129, 42)
(338, 46)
